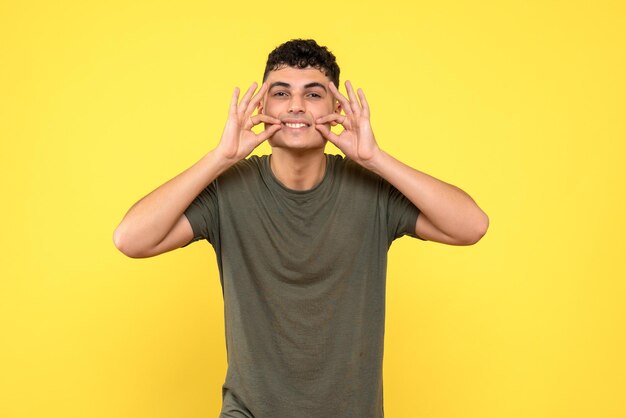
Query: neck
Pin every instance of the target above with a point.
(301, 170)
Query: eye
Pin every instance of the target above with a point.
(280, 94)
(315, 95)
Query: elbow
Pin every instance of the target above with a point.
(478, 231)
(122, 244)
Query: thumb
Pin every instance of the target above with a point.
(326, 133)
(267, 133)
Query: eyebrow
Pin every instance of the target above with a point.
(306, 86)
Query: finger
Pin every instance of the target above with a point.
(232, 110)
(345, 104)
(366, 108)
(354, 102)
(334, 119)
(331, 117)
(262, 136)
(243, 105)
(336, 140)
(256, 99)
(256, 119)
(327, 133)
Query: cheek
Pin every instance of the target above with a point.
(269, 108)
(323, 110)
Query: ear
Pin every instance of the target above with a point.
(337, 106)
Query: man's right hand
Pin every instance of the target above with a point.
(157, 223)
(238, 140)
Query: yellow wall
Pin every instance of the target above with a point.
(520, 104)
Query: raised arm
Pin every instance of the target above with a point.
(447, 214)
(156, 223)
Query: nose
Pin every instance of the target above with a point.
(296, 105)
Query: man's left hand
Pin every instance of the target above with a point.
(356, 140)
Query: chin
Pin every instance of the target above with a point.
(293, 142)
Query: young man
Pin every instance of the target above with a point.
(301, 239)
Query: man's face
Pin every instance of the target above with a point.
(298, 97)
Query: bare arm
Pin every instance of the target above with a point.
(149, 221)
(447, 214)
(156, 223)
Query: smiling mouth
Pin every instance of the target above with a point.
(296, 125)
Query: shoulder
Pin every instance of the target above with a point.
(353, 181)
(248, 168)
(252, 163)
(350, 170)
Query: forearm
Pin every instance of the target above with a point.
(149, 220)
(447, 207)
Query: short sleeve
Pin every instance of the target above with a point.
(203, 215)
(401, 215)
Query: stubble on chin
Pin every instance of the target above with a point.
(310, 141)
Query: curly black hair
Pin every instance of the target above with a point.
(302, 53)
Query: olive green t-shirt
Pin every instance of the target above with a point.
(303, 280)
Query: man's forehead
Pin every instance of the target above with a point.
(297, 77)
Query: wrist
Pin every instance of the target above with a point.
(376, 162)
(220, 163)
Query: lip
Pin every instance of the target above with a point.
(292, 120)
(295, 129)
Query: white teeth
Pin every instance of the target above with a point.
(295, 125)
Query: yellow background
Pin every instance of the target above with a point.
(521, 104)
